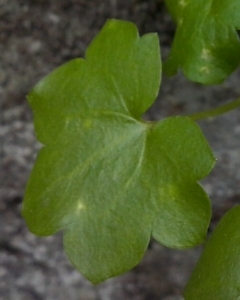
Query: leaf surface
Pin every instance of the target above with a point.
(217, 274)
(206, 44)
(104, 176)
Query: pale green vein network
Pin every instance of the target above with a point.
(120, 97)
(99, 154)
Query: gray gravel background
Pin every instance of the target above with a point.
(37, 36)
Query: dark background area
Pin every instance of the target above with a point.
(37, 36)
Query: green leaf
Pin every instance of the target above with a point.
(206, 45)
(106, 177)
(217, 274)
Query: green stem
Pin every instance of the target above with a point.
(222, 109)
